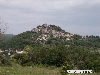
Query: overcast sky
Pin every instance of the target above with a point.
(74, 16)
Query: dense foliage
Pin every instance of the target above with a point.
(69, 58)
(20, 41)
(5, 61)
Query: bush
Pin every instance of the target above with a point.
(5, 61)
(66, 66)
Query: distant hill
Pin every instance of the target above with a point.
(9, 37)
(49, 35)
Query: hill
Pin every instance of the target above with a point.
(49, 45)
(42, 34)
(50, 35)
(9, 37)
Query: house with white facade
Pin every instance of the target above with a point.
(19, 51)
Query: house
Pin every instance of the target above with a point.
(39, 39)
(1, 51)
(19, 51)
(6, 50)
(67, 39)
(44, 38)
(44, 30)
(46, 25)
(11, 56)
(54, 36)
(35, 30)
(83, 37)
(53, 31)
(67, 35)
(39, 27)
(62, 34)
(71, 34)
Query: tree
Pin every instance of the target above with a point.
(29, 51)
(3, 28)
(4, 61)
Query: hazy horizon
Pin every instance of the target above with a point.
(75, 16)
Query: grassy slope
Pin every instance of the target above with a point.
(40, 70)
(18, 70)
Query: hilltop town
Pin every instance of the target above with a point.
(43, 32)
(48, 30)
(51, 45)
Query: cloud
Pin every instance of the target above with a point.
(22, 15)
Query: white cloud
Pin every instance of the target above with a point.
(44, 5)
(68, 13)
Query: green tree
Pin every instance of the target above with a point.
(3, 28)
(29, 51)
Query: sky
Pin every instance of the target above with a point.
(75, 16)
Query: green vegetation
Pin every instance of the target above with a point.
(3, 28)
(36, 70)
(76, 58)
(52, 49)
